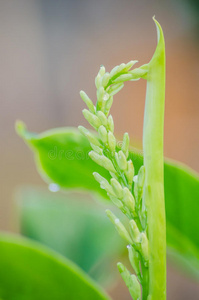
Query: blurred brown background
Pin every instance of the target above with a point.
(52, 49)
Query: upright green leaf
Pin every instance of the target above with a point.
(30, 271)
(181, 185)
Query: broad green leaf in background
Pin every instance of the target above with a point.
(30, 271)
(62, 158)
(73, 226)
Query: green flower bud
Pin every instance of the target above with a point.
(105, 79)
(115, 88)
(111, 142)
(110, 123)
(121, 68)
(135, 288)
(135, 233)
(103, 134)
(129, 65)
(141, 176)
(117, 188)
(97, 149)
(121, 160)
(129, 172)
(137, 73)
(139, 183)
(92, 139)
(114, 71)
(102, 118)
(91, 118)
(98, 79)
(131, 282)
(103, 183)
(144, 246)
(100, 95)
(134, 259)
(119, 226)
(102, 70)
(116, 202)
(88, 101)
(108, 105)
(125, 144)
(102, 161)
(128, 200)
(123, 77)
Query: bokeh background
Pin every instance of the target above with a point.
(52, 49)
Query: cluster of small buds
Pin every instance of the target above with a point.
(131, 282)
(115, 159)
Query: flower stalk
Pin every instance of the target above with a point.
(154, 173)
(140, 197)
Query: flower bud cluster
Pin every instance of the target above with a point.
(115, 159)
(131, 282)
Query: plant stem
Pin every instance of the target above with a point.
(153, 162)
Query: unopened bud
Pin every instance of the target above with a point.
(103, 183)
(121, 160)
(92, 139)
(114, 71)
(111, 142)
(125, 144)
(128, 200)
(98, 79)
(105, 79)
(102, 70)
(108, 105)
(129, 172)
(117, 188)
(135, 288)
(144, 246)
(135, 233)
(131, 282)
(110, 123)
(100, 95)
(119, 226)
(88, 101)
(137, 73)
(116, 202)
(97, 149)
(134, 259)
(102, 118)
(91, 118)
(115, 88)
(129, 65)
(103, 134)
(121, 67)
(102, 161)
(123, 78)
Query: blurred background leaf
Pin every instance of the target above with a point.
(30, 271)
(73, 225)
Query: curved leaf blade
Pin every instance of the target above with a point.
(30, 271)
(181, 184)
(67, 223)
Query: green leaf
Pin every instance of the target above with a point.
(181, 185)
(61, 157)
(30, 271)
(73, 226)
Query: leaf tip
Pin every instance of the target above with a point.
(158, 27)
(20, 128)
